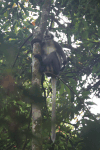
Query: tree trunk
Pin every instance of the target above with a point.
(36, 77)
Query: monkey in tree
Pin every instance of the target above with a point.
(51, 60)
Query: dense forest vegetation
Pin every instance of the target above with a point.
(75, 25)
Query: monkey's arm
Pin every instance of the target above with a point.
(35, 41)
(60, 52)
(53, 119)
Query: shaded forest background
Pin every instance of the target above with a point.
(76, 24)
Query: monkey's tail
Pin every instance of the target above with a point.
(53, 119)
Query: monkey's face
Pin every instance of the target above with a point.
(47, 36)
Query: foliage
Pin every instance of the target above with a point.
(80, 20)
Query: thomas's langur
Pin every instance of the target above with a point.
(51, 60)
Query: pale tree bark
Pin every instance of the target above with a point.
(36, 77)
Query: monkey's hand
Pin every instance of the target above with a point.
(38, 57)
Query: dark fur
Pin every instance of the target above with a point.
(51, 62)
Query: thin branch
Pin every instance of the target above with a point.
(76, 95)
(20, 49)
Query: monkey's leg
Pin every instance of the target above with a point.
(53, 118)
(52, 60)
(42, 67)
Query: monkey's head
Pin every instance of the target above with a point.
(47, 36)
